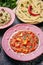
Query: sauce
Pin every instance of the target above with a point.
(24, 42)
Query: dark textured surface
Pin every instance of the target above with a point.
(5, 60)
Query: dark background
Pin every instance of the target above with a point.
(5, 60)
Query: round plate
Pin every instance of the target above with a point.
(36, 20)
(17, 56)
(12, 17)
(14, 10)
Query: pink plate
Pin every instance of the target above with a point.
(18, 56)
(12, 17)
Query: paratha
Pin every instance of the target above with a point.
(30, 11)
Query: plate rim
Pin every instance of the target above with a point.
(12, 17)
(11, 55)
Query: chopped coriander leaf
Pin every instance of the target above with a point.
(8, 3)
(30, 46)
(27, 2)
(24, 37)
(24, 11)
(22, 5)
(37, 12)
(40, 16)
(26, 6)
(38, 3)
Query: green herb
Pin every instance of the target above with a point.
(37, 12)
(40, 16)
(30, 46)
(28, 16)
(27, 2)
(38, 3)
(24, 37)
(24, 11)
(8, 3)
(26, 6)
(22, 5)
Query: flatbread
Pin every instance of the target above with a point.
(23, 14)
